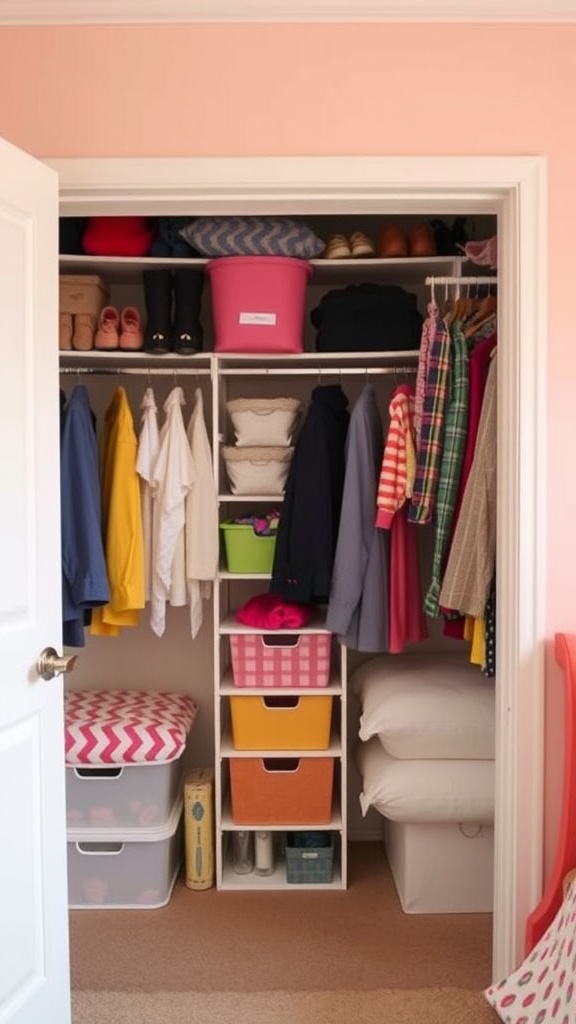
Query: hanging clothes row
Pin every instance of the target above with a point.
(329, 549)
(139, 518)
(454, 487)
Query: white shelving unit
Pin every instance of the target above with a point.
(228, 370)
(226, 374)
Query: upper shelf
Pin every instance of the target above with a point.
(128, 269)
(305, 364)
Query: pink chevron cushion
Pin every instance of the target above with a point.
(126, 727)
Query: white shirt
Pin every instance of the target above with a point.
(201, 517)
(172, 479)
(148, 444)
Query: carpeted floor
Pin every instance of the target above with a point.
(381, 1006)
(285, 941)
(295, 957)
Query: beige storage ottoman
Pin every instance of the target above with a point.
(443, 868)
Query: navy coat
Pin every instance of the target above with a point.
(308, 528)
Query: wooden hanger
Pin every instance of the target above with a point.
(487, 309)
(460, 307)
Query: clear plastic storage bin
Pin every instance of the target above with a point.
(125, 868)
(121, 795)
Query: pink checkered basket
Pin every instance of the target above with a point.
(281, 660)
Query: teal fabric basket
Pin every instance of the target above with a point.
(247, 551)
(309, 864)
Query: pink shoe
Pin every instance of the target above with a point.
(106, 336)
(484, 253)
(131, 337)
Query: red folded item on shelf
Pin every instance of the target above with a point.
(118, 236)
(267, 611)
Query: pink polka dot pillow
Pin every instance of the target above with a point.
(541, 991)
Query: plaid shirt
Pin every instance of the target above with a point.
(430, 446)
(428, 333)
(471, 562)
(455, 431)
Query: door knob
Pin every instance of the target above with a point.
(51, 664)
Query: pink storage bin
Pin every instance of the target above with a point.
(281, 660)
(258, 303)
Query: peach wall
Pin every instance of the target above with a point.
(316, 89)
(326, 90)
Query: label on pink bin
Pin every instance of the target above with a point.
(264, 319)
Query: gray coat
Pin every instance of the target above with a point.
(358, 604)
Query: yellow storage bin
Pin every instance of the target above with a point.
(281, 723)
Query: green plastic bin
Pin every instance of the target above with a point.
(247, 551)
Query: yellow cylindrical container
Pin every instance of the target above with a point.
(199, 828)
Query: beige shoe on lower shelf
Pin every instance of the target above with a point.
(84, 330)
(65, 332)
(361, 246)
(337, 248)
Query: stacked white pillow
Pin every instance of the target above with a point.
(428, 729)
(259, 461)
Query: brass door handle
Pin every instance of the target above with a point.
(51, 664)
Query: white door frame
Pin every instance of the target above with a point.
(515, 189)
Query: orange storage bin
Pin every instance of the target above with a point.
(281, 723)
(281, 790)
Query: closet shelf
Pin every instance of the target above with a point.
(277, 880)
(227, 689)
(303, 364)
(128, 269)
(122, 269)
(312, 363)
(227, 749)
(334, 824)
(225, 575)
(117, 360)
(229, 625)
(273, 499)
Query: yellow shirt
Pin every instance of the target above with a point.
(121, 521)
(475, 630)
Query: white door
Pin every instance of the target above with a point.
(34, 966)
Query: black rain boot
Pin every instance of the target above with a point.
(188, 333)
(158, 301)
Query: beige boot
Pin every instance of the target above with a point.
(84, 330)
(65, 332)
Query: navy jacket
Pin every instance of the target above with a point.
(308, 528)
(84, 576)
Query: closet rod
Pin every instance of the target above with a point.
(461, 280)
(317, 371)
(139, 371)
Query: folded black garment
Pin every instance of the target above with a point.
(70, 232)
(367, 318)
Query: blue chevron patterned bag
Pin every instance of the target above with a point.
(252, 236)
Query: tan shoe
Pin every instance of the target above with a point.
(65, 332)
(421, 241)
(84, 328)
(337, 248)
(131, 337)
(392, 242)
(360, 245)
(107, 335)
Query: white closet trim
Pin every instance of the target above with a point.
(90, 12)
(515, 189)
